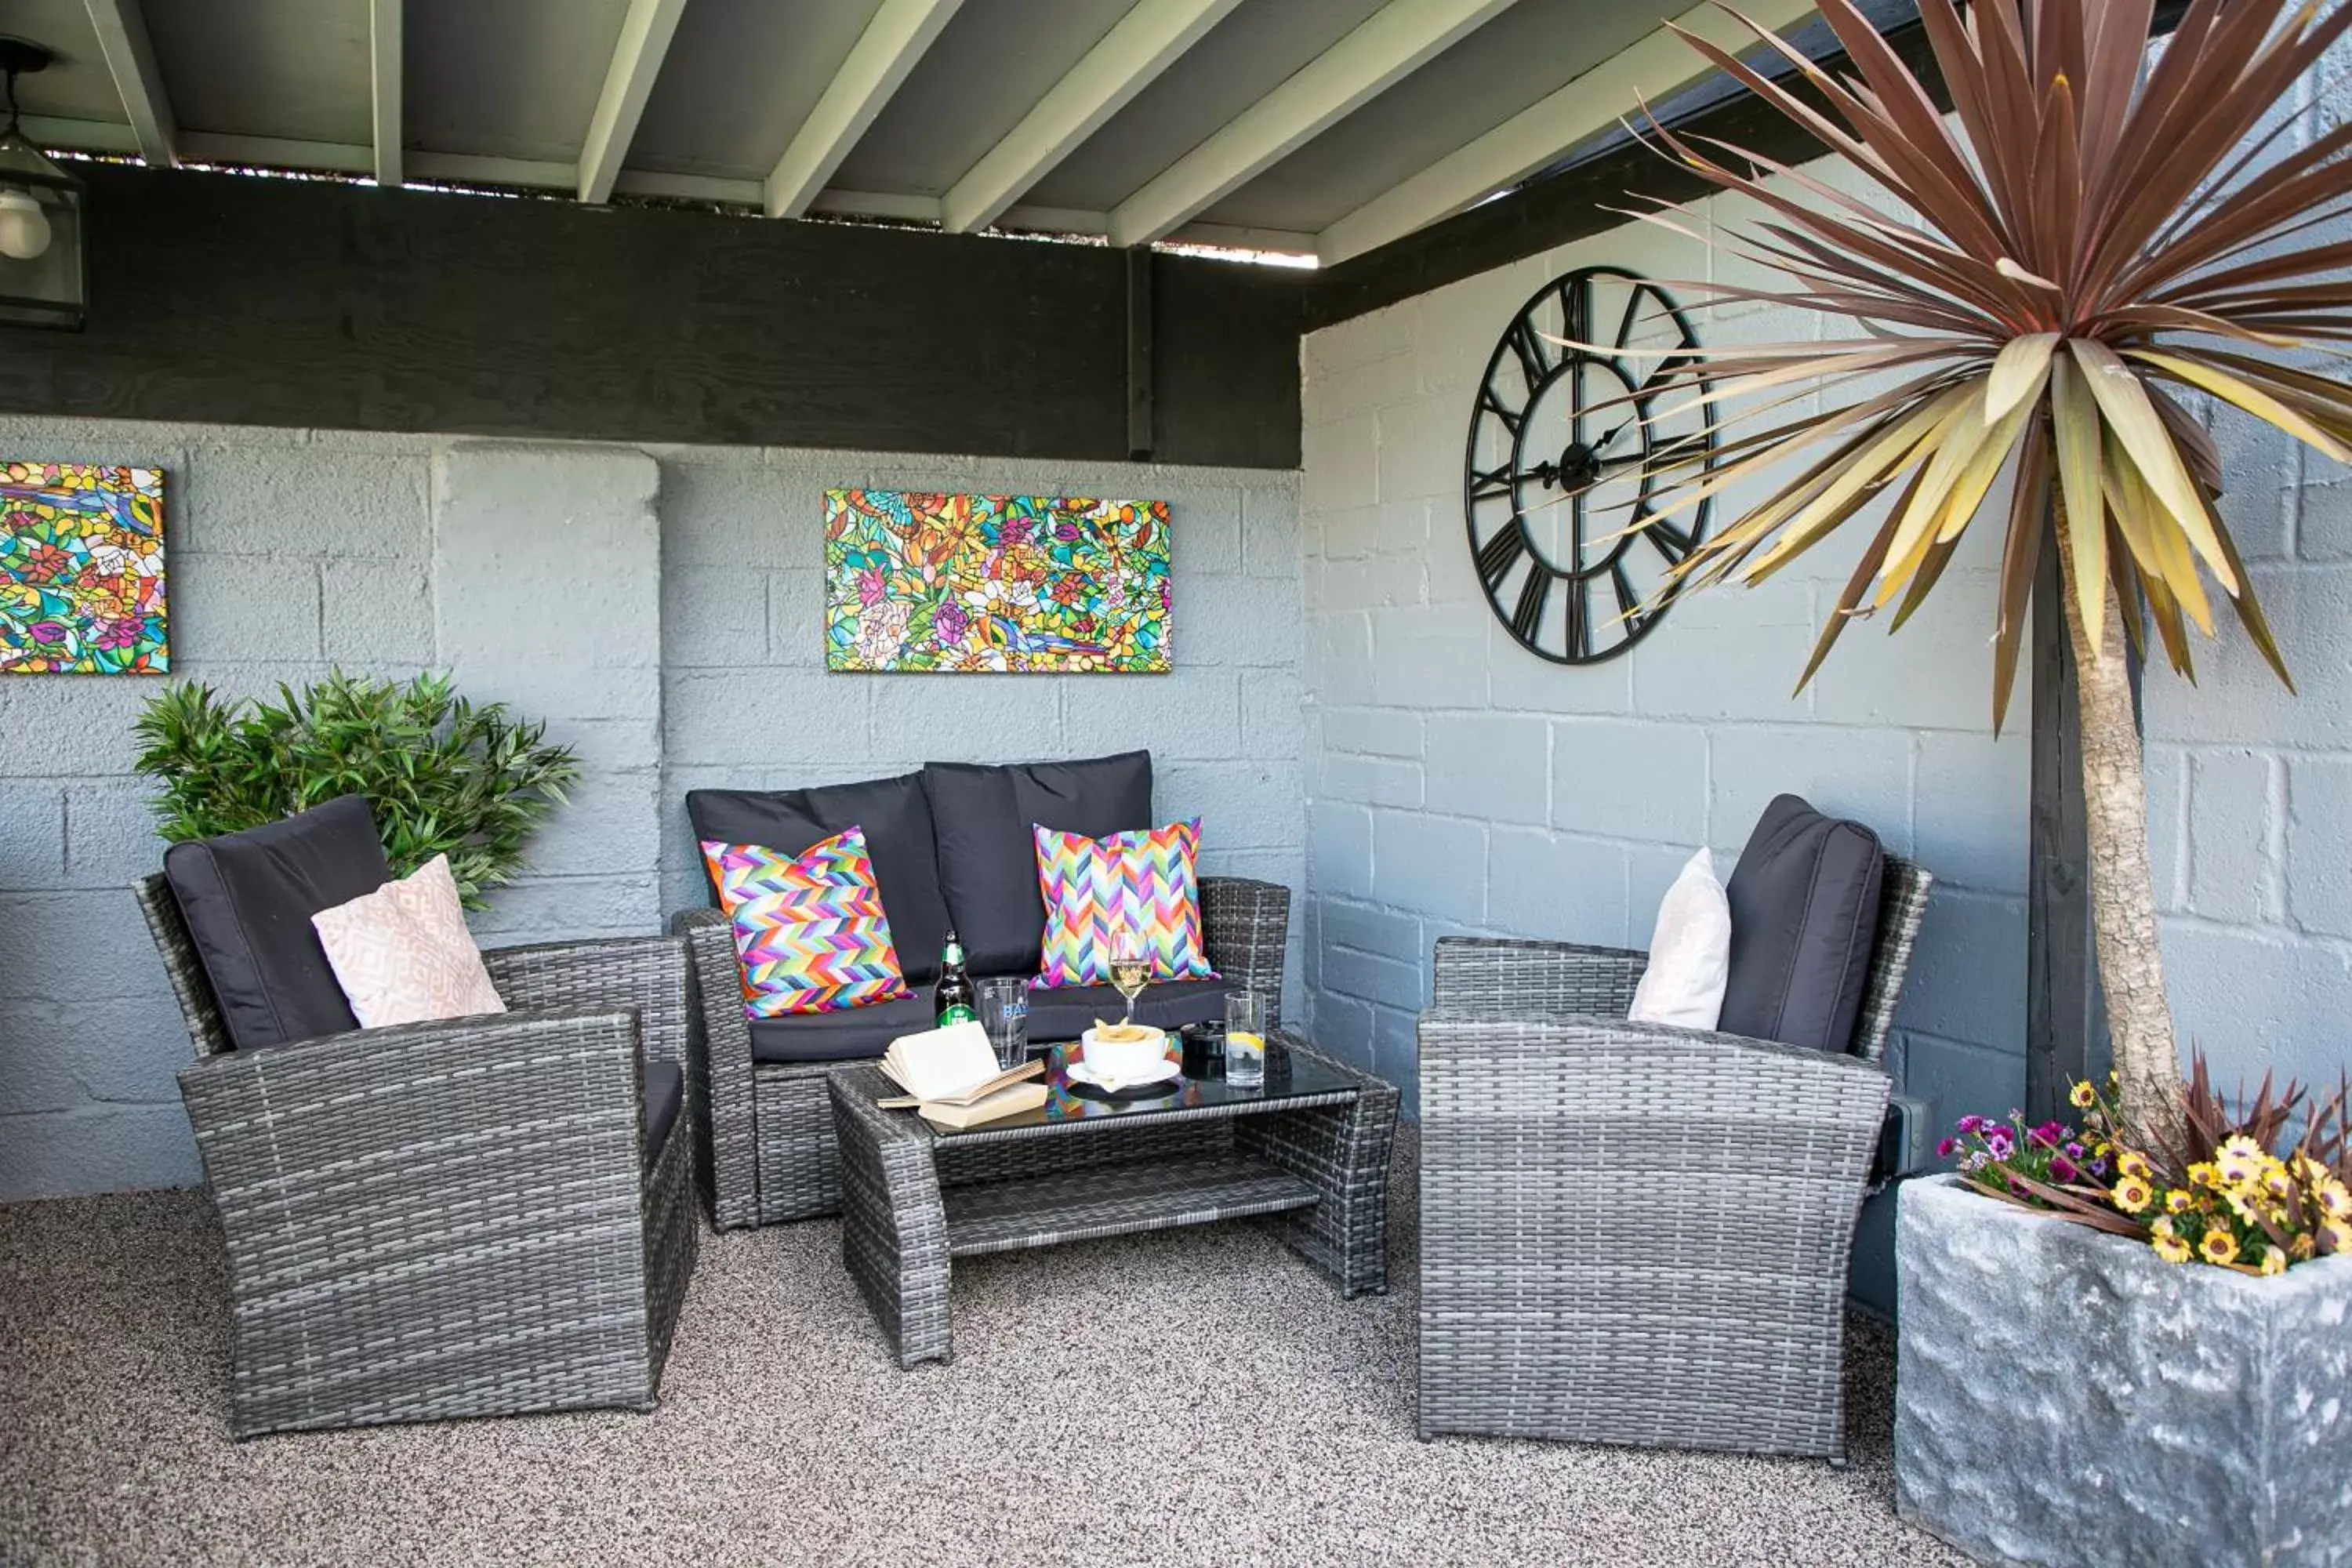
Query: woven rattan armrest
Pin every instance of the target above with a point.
(1245, 926)
(335, 1128)
(1504, 978)
(648, 973)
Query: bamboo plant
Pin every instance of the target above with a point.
(2107, 235)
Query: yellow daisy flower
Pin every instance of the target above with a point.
(2303, 1246)
(2334, 1200)
(2336, 1234)
(2084, 1097)
(2219, 1246)
(2132, 1194)
(2176, 1200)
(2236, 1167)
(2171, 1248)
(2131, 1163)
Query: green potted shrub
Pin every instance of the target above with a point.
(442, 774)
(2037, 287)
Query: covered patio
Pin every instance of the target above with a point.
(937, 781)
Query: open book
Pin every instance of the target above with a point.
(950, 1077)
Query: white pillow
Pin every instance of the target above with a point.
(403, 954)
(1690, 953)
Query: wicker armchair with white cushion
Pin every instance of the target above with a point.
(1637, 1233)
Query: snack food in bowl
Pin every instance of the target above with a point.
(1123, 1052)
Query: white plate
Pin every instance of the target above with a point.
(1081, 1073)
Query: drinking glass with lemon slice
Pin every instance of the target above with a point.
(1246, 1039)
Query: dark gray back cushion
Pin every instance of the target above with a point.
(897, 818)
(248, 898)
(988, 859)
(1804, 918)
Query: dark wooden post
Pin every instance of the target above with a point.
(1139, 402)
(2065, 1033)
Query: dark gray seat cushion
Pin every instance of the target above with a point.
(861, 1032)
(896, 815)
(987, 857)
(851, 1034)
(1065, 1014)
(248, 898)
(664, 1094)
(1804, 920)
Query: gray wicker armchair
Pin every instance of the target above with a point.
(1633, 1234)
(766, 1141)
(449, 1219)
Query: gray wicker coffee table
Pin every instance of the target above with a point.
(1307, 1153)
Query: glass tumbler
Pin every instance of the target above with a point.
(1246, 1039)
(1004, 1013)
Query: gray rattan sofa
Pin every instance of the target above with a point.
(767, 1136)
(455, 1218)
(1633, 1234)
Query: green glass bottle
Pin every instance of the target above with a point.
(953, 999)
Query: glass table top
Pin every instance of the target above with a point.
(1288, 1077)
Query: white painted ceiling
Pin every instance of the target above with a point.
(1313, 126)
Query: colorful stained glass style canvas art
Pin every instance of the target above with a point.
(81, 570)
(996, 583)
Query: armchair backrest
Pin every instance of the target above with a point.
(1902, 901)
(206, 1030)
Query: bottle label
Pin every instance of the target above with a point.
(957, 1013)
(953, 957)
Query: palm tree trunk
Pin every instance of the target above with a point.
(2123, 888)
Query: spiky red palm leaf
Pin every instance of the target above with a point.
(2092, 243)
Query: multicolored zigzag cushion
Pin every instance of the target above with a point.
(809, 928)
(1093, 887)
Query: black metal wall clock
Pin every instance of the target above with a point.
(1554, 482)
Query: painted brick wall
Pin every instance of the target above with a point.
(1461, 785)
(660, 609)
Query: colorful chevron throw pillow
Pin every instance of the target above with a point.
(1093, 887)
(809, 928)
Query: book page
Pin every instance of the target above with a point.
(939, 1064)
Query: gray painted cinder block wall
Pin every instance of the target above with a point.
(1459, 783)
(635, 600)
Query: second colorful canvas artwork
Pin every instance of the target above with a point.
(994, 583)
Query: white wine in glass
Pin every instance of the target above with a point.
(1129, 968)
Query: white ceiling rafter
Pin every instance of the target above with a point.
(130, 60)
(383, 87)
(1145, 42)
(645, 33)
(1657, 65)
(892, 44)
(1392, 43)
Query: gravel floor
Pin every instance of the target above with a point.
(1178, 1398)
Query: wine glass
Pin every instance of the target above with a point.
(1129, 966)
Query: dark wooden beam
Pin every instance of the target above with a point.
(1140, 399)
(2065, 1033)
(234, 300)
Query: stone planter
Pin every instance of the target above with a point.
(2063, 1396)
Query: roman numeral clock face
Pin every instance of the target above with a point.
(1554, 487)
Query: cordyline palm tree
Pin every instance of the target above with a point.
(2092, 245)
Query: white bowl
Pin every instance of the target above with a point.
(1123, 1061)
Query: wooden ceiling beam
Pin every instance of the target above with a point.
(1126, 59)
(892, 45)
(1391, 44)
(645, 33)
(1656, 66)
(131, 59)
(383, 87)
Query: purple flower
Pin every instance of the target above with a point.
(2049, 1135)
(2074, 1151)
(949, 621)
(1016, 530)
(1067, 532)
(2018, 1186)
(1972, 1124)
(2063, 1168)
(1948, 1147)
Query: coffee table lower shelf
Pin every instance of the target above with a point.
(1116, 1200)
(1308, 1157)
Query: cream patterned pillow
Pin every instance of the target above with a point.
(403, 954)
